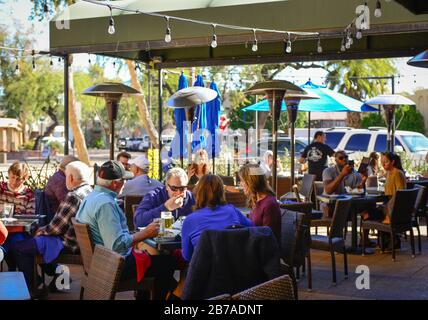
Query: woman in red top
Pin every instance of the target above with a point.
(14, 191)
(262, 199)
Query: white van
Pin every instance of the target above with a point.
(365, 141)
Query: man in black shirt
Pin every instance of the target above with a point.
(316, 153)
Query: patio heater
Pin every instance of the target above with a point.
(292, 101)
(275, 91)
(187, 99)
(389, 102)
(112, 92)
(420, 60)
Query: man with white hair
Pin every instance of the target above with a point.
(141, 184)
(59, 234)
(173, 197)
(108, 226)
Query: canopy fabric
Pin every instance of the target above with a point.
(213, 118)
(329, 101)
(389, 100)
(398, 32)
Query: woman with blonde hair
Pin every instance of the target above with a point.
(262, 199)
(199, 167)
(210, 212)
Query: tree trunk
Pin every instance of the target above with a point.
(142, 106)
(353, 120)
(79, 139)
(49, 130)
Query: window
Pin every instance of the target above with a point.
(380, 144)
(358, 142)
(334, 138)
(415, 143)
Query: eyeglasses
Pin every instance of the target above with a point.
(175, 188)
(342, 157)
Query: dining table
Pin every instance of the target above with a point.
(358, 201)
(21, 225)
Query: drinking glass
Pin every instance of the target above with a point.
(8, 210)
(161, 226)
(167, 218)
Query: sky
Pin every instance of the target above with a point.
(14, 14)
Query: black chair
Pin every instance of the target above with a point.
(129, 201)
(227, 180)
(401, 214)
(307, 190)
(295, 244)
(335, 240)
(420, 211)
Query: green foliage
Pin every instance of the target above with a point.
(56, 145)
(98, 144)
(38, 177)
(408, 118)
(372, 119)
(27, 145)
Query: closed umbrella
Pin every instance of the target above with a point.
(213, 117)
(180, 117)
(389, 102)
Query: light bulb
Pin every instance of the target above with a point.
(111, 28)
(254, 47)
(319, 49)
(347, 45)
(378, 13)
(343, 47)
(351, 40)
(359, 35)
(288, 49)
(378, 10)
(214, 42)
(168, 35)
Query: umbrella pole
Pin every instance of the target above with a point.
(292, 116)
(257, 132)
(160, 91)
(309, 128)
(390, 121)
(66, 104)
(275, 101)
(112, 107)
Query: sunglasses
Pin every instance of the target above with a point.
(175, 188)
(342, 157)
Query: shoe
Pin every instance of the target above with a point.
(39, 293)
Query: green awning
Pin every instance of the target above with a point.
(398, 32)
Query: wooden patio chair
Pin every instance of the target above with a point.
(280, 288)
(129, 201)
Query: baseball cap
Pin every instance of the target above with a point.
(112, 170)
(140, 161)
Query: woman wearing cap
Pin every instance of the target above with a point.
(262, 200)
(141, 184)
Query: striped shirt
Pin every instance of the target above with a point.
(23, 201)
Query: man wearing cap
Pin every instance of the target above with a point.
(56, 189)
(108, 226)
(174, 197)
(141, 184)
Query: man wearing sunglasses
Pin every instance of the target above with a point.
(341, 175)
(174, 197)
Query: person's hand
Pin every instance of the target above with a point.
(346, 170)
(190, 171)
(174, 202)
(152, 230)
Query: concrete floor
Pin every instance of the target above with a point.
(406, 278)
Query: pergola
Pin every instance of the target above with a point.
(402, 30)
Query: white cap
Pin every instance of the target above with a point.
(141, 162)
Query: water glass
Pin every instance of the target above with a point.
(8, 210)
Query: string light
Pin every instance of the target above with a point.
(59, 59)
(364, 25)
(319, 47)
(343, 47)
(288, 48)
(111, 28)
(168, 31)
(254, 46)
(359, 34)
(214, 39)
(378, 10)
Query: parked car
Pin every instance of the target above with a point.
(283, 146)
(365, 141)
(121, 143)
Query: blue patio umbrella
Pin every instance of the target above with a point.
(180, 117)
(200, 116)
(330, 101)
(213, 119)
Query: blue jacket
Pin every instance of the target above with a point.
(153, 204)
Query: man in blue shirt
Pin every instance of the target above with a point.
(174, 197)
(108, 226)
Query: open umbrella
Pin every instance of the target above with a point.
(187, 99)
(112, 92)
(420, 60)
(389, 102)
